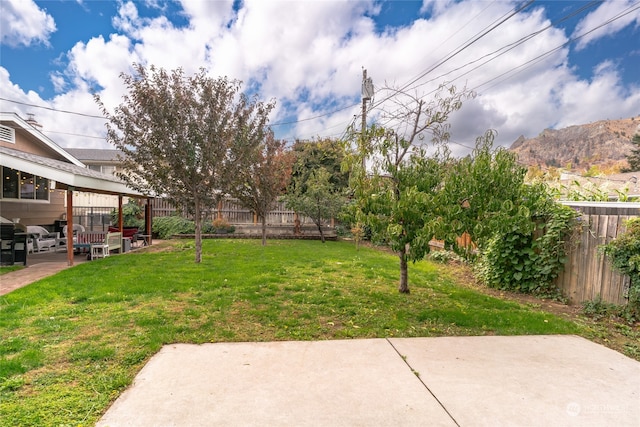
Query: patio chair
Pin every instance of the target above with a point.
(42, 238)
(62, 241)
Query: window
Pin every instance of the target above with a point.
(106, 169)
(10, 183)
(27, 186)
(23, 186)
(109, 170)
(42, 188)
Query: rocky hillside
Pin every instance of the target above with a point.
(605, 143)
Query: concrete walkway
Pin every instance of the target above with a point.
(39, 266)
(464, 381)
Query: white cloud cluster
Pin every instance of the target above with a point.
(22, 23)
(309, 56)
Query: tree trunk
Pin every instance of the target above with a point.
(198, 220)
(404, 273)
(264, 230)
(320, 230)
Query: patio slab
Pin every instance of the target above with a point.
(466, 381)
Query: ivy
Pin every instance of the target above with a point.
(528, 259)
(624, 253)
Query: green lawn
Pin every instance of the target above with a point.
(71, 343)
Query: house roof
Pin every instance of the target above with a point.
(36, 136)
(67, 171)
(66, 175)
(96, 155)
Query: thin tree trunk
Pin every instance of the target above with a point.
(264, 230)
(320, 230)
(198, 232)
(404, 273)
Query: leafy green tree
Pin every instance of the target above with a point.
(482, 193)
(311, 155)
(262, 176)
(320, 200)
(397, 198)
(178, 133)
(634, 157)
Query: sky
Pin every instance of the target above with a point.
(532, 65)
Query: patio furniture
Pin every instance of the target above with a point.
(99, 250)
(42, 238)
(62, 241)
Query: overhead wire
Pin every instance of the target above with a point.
(537, 59)
(407, 86)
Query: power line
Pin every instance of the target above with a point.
(54, 109)
(539, 58)
(496, 23)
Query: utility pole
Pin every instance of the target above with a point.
(367, 93)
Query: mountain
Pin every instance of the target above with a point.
(605, 143)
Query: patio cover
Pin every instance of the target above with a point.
(70, 177)
(66, 175)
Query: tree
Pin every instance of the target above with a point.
(177, 134)
(398, 198)
(320, 200)
(262, 177)
(634, 157)
(311, 155)
(482, 193)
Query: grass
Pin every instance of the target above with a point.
(9, 268)
(71, 343)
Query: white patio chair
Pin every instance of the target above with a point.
(62, 241)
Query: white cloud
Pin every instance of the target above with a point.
(23, 23)
(309, 55)
(605, 12)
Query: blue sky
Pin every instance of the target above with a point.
(308, 55)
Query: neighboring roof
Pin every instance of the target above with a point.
(23, 125)
(95, 154)
(65, 174)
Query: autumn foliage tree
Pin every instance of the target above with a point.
(177, 134)
(262, 176)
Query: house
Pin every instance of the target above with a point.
(40, 179)
(99, 160)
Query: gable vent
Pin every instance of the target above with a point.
(7, 134)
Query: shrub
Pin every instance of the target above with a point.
(529, 260)
(167, 226)
(219, 225)
(132, 215)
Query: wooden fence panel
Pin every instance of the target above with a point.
(587, 273)
(231, 210)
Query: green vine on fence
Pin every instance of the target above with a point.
(624, 253)
(529, 258)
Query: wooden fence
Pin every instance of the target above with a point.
(588, 273)
(236, 214)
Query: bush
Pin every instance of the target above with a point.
(167, 226)
(218, 225)
(132, 215)
(530, 261)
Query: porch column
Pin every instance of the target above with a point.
(120, 224)
(69, 235)
(148, 219)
